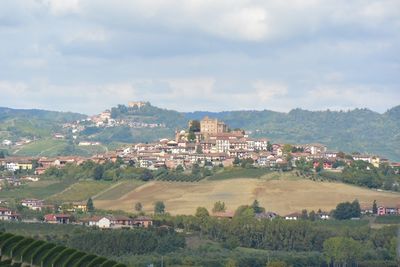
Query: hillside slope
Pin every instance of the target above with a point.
(280, 193)
(29, 123)
(359, 130)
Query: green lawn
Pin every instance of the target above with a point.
(119, 190)
(40, 230)
(46, 147)
(41, 189)
(80, 191)
(237, 172)
(52, 148)
(389, 219)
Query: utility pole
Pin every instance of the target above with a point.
(162, 261)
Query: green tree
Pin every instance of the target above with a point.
(202, 212)
(256, 207)
(191, 136)
(342, 251)
(347, 210)
(199, 149)
(138, 207)
(194, 126)
(179, 169)
(196, 169)
(277, 264)
(312, 216)
(89, 205)
(244, 213)
(98, 172)
(159, 207)
(231, 263)
(356, 209)
(374, 207)
(319, 167)
(236, 161)
(147, 175)
(269, 146)
(304, 214)
(287, 148)
(219, 207)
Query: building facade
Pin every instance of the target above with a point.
(212, 126)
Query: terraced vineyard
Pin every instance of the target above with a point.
(19, 251)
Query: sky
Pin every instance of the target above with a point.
(89, 55)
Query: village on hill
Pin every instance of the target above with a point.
(208, 143)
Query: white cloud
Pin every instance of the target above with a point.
(62, 7)
(87, 35)
(200, 54)
(266, 91)
(351, 96)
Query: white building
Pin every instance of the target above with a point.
(6, 143)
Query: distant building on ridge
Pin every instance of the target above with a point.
(212, 126)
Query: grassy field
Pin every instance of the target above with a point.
(231, 173)
(282, 193)
(46, 147)
(118, 190)
(387, 219)
(52, 147)
(80, 191)
(41, 189)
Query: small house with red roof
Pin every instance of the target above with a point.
(224, 215)
(143, 221)
(57, 218)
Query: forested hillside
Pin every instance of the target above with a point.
(30, 123)
(359, 130)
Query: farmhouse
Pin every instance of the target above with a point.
(143, 221)
(388, 210)
(293, 216)
(32, 204)
(223, 215)
(106, 222)
(8, 215)
(269, 215)
(57, 218)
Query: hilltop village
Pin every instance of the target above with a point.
(208, 144)
(209, 141)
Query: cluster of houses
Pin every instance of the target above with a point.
(102, 222)
(388, 210)
(212, 143)
(21, 142)
(105, 120)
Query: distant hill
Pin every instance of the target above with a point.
(30, 123)
(359, 130)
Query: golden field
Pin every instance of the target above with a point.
(281, 193)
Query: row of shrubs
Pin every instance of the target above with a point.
(17, 250)
(180, 178)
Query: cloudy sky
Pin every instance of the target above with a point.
(88, 55)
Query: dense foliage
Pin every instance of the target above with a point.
(113, 171)
(362, 173)
(32, 123)
(356, 130)
(347, 210)
(127, 242)
(245, 241)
